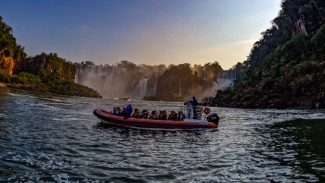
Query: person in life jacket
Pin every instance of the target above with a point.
(117, 111)
(128, 111)
(136, 113)
(194, 103)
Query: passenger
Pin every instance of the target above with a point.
(123, 112)
(128, 111)
(163, 115)
(194, 103)
(199, 110)
(141, 114)
(116, 111)
(146, 114)
(157, 115)
(136, 113)
(172, 115)
(180, 116)
(188, 110)
(154, 115)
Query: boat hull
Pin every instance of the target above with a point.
(148, 123)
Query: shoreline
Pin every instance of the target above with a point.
(26, 88)
(29, 88)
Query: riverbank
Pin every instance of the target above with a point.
(267, 100)
(63, 89)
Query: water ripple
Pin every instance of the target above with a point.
(56, 139)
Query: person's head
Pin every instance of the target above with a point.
(193, 98)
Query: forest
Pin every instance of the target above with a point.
(150, 82)
(50, 73)
(286, 67)
(44, 72)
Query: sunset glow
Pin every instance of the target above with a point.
(142, 31)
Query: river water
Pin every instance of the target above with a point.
(47, 138)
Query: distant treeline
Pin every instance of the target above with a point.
(158, 82)
(180, 82)
(44, 72)
(49, 72)
(286, 67)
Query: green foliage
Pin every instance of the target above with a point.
(44, 72)
(27, 78)
(179, 82)
(48, 72)
(29, 81)
(4, 76)
(48, 67)
(8, 45)
(286, 68)
(318, 42)
(71, 88)
(307, 67)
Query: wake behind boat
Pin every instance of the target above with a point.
(120, 121)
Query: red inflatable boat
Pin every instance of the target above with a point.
(119, 121)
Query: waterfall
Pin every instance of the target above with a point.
(106, 80)
(124, 79)
(226, 79)
(152, 84)
(180, 88)
(156, 84)
(142, 88)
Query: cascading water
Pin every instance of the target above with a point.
(126, 79)
(120, 80)
(152, 84)
(104, 80)
(226, 79)
(142, 88)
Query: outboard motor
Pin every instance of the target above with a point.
(213, 118)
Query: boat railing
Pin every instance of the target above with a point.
(192, 112)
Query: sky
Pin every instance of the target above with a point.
(141, 31)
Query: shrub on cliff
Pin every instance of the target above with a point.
(47, 65)
(10, 51)
(71, 88)
(4, 76)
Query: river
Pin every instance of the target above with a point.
(49, 138)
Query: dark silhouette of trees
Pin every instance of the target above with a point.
(286, 66)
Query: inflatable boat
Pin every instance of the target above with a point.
(119, 121)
